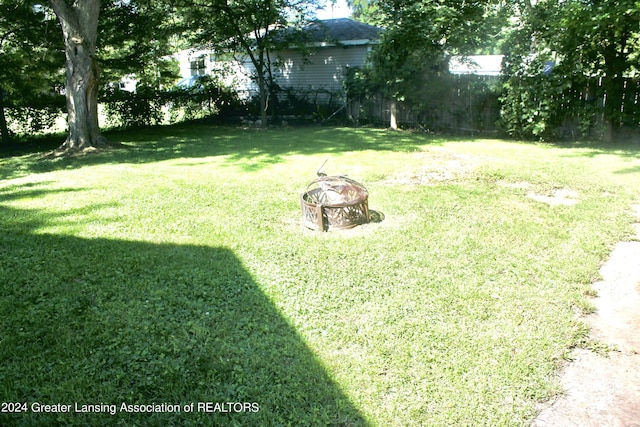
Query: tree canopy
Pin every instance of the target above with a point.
(106, 40)
(584, 40)
(101, 42)
(30, 61)
(248, 28)
(411, 59)
(576, 40)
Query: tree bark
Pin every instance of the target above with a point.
(264, 101)
(79, 22)
(259, 64)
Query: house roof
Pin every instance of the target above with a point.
(342, 30)
(326, 32)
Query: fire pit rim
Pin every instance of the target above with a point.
(325, 213)
(363, 194)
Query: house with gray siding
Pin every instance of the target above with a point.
(332, 46)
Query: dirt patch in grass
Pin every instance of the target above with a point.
(602, 388)
(435, 167)
(521, 185)
(557, 197)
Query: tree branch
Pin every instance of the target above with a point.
(61, 9)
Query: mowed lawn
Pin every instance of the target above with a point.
(175, 270)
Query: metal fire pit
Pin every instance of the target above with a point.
(334, 203)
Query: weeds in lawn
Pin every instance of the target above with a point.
(176, 269)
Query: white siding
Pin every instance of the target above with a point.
(322, 70)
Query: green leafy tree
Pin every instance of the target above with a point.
(410, 63)
(249, 28)
(367, 11)
(132, 39)
(600, 38)
(30, 63)
(587, 39)
(135, 35)
(136, 39)
(135, 42)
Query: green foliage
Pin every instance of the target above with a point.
(32, 61)
(587, 41)
(148, 106)
(32, 118)
(128, 109)
(358, 82)
(306, 103)
(410, 63)
(551, 107)
(529, 100)
(367, 11)
(439, 102)
(250, 29)
(135, 39)
(30, 67)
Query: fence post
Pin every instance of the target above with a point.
(393, 110)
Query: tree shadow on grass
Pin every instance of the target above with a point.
(106, 322)
(250, 148)
(629, 171)
(255, 148)
(625, 150)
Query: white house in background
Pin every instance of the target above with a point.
(337, 44)
(481, 65)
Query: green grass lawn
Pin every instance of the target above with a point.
(175, 270)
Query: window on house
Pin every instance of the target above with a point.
(197, 66)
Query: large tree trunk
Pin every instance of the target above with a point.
(79, 21)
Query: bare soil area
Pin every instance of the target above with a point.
(437, 166)
(603, 390)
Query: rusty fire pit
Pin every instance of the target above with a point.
(333, 203)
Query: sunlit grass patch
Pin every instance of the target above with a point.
(176, 269)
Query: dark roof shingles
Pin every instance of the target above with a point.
(342, 29)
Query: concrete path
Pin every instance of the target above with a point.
(604, 391)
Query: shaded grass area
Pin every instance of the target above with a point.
(250, 148)
(176, 270)
(101, 321)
